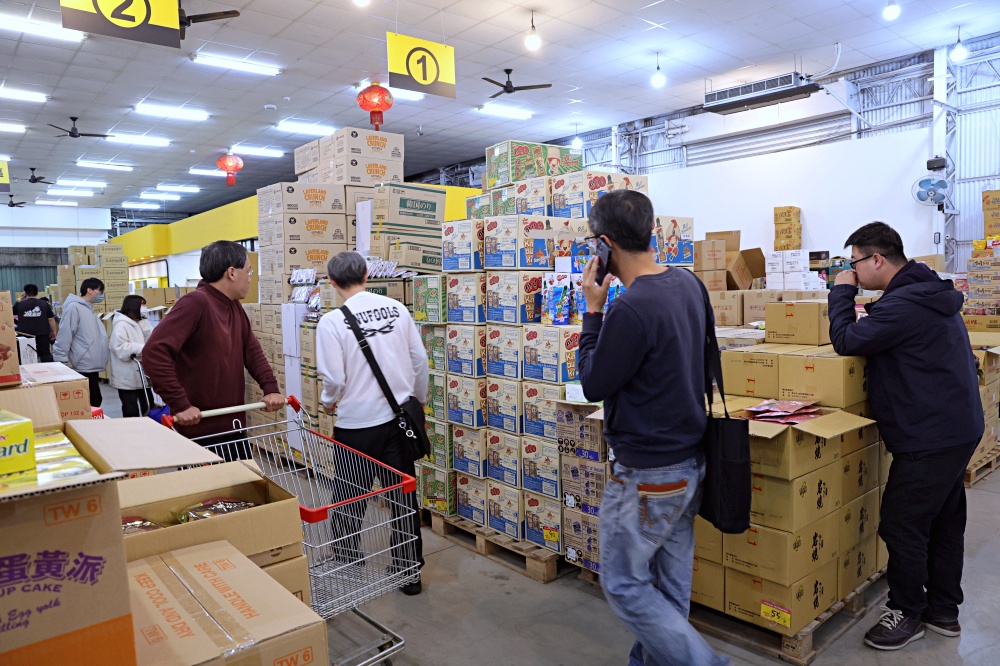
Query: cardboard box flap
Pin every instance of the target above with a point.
(754, 258)
(37, 403)
(48, 373)
(598, 415)
(766, 430)
(198, 480)
(58, 486)
(831, 425)
(113, 445)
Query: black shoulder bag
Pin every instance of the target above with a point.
(409, 415)
(726, 496)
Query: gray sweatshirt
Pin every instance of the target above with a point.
(82, 339)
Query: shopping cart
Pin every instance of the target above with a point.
(358, 517)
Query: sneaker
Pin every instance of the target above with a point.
(411, 589)
(894, 631)
(945, 628)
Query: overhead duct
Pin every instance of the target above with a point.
(784, 88)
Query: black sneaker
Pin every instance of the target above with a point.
(411, 589)
(894, 631)
(944, 627)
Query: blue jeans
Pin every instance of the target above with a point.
(647, 556)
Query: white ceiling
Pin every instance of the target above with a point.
(599, 54)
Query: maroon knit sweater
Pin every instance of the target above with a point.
(196, 356)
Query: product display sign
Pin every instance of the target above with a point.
(420, 65)
(149, 21)
(4, 178)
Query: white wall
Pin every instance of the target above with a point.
(839, 187)
(53, 226)
(184, 267)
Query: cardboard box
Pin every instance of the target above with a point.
(310, 255)
(466, 350)
(462, 245)
(857, 564)
(860, 473)
(409, 207)
(580, 430)
(503, 201)
(10, 374)
(593, 477)
(991, 200)
(72, 389)
(713, 280)
(881, 551)
(467, 298)
(268, 533)
(575, 194)
(467, 401)
(798, 322)
(307, 157)
(543, 521)
(430, 300)
(858, 519)
(503, 351)
(792, 504)
(581, 540)
(293, 575)
(305, 228)
(709, 255)
(503, 457)
(442, 445)
(774, 282)
(181, 599)
(540, 406)
(755, 302)
(708, 584)
(884, 463)
(504, 509)
(533, 196)
(438, 489)
(707, 541)
(728, 307)
(114, 261)
(514, 297)
(783, 557)
(549, 353)
(820, 374)
(437, 405)
(503, 405)
(531, 242)
(471, 493)
(739, 338)
(540, 466)
(292, 198)
(785, 609)
(366, 171)
(469, 450)
(753, 371)
(989, 365)
(62, 549)
(17, 443)
(356, 142)
(508, 162)
(786, 214)
(479, 206)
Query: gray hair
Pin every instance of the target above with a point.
(219, 257)
(347, 269)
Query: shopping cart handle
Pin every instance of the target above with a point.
(293, 402)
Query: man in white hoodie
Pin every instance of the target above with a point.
(82, 339)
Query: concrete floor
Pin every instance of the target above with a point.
(475, 611)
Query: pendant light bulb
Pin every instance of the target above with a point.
(577, 142)
(362, 3)
(891, 11)
(958, 52)
(532, 41)
(659, 79)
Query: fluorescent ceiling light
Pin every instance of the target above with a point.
(139, 140)
(56, 192)
(4, 158)
(241, 65)
(257, 152)
(502, 111)
(298, 127)
(160, 196)
(178, 112)
(22, 95)
(10, 127)
(141, 205)
(87, 164)
(190, 189)
(69, 182)
(41, 29)
(50, 202)
(205, 172)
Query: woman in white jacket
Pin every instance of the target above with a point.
(128, 337)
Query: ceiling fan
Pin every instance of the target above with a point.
(73, 132)
(13, 204)
(186, 21)
(509, 88)
(38, 179)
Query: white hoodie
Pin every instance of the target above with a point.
(127, 338)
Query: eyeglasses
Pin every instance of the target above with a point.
(591, 241)
(854, 263)
(248, 270)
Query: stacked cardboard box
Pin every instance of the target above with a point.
(791, 269)
(407, 226)
(787, 228)
(986, 348)
(991, 213)
(509, 162)
(741, 268)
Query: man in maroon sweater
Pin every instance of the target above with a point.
(196, 355)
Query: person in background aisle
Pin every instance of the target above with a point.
(34, 316)
(83, 340)
(924, 392)
(365, 421)
(646, 361)
(196, 355)
(127, 341)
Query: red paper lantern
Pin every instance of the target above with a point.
(375, 99)
(230, 164)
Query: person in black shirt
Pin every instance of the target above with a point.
(34, 316)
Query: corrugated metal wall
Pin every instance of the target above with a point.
(809, 133)
(13, 278)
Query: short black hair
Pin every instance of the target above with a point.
(347, 269)
(132, 307)
(626, 217)
(880, 238)
(219, 257)
(90, 283)
(31, 290)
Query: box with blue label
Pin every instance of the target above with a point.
(539, 405)
(557, 299)
(466, 350)
(439, 434)
(540, 466)
(467, 298)
(581, 540)
(467, 401)
(534, 196)
(574, 194)
(673, 240)
(543, 521)
(501, 241)
(469, 445)
(503, 351)
(504, 508)
(547, 239)
(462, 245)
(580, 430)
(471, 498)
(594, 477)
(503, 405)
(503, 457)
(514, 297)
(548, 353)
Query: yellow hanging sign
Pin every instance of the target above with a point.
(4, 177)
(149, 21)
(420, 65)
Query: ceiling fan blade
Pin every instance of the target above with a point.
(492, 81)
(103, 136)
(59, 136)
(46, 182)
(498, 94)
(183, 30)
(542, 85)
(61, 129)
(213, 16)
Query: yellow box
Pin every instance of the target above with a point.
(799, 322)
(17, 443)
(787, 214)
(783, 557)
(792, 504)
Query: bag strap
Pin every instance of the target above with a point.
(713, 358)
(370, 356)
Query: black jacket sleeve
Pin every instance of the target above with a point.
(611, 349)
(880, 331)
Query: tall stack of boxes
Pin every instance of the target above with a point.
(787, 228)
(991, 213)
(792, 270)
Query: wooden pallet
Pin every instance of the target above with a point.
(982, 468)
(526, 558)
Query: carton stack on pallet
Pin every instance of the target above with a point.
(80, 257)
(986, 347)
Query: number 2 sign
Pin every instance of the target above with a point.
(149, 21)
(421, 66)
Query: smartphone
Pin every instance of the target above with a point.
(603, 251)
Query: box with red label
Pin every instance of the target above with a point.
(465, 347)
(673, 240)
(467, 401)
(574, 194)
(540, 408)
(471, 493)
(72, 389)
(544, 239)
(503, 351)
(534, 196)
(478, 207)
(503, 405)
(514, 297)
(466, 293)
(503, 457)
(540, 466)
(511, 161)
(462, 245)
(501, 241)
(543, 521)
(549, 353)
(469, 450)
(504, 508)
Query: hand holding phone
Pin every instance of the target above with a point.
(603, 253)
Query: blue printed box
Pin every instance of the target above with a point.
(471, 498)
(469, 450)
(543, 521)
(514, 297)
(503, 457)
(503, 405)
(503, 351)
(462, 245)
(505, 508)
(465, 347)
(539, 406)
(467, 401)
(540, 466)
(467, 298)
(673, 240)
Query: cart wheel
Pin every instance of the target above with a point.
(387, 662)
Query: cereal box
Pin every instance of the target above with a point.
(543, 521)
(510, 161)
(466, 350)
(503, 457)
(549, 353)
(467, 401)
(430, 299)
(505, 508)
(540, 466)
(439, 433)
(534, 196)
(539, 404)
(514, 297)
(437, 488)
(467, 298)
(503, 351)
(673, 240)
(462, 245)
(469, 447)
(503, 405)
(501, 241)
(574, 194)
(557, 299)
(436, 406)
(433, 337)
(471, 498)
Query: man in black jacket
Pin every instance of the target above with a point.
(924, 393)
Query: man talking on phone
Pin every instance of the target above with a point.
(645, 359)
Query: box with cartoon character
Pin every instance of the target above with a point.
(503, 351)
(504, 508)
(557, 299)
(514, 297)
(466, 298)
(466, 350)
(503, 457)
(534, 196)
(471, 498)
(508, 162)
(462, 245)
(673, 240)
(574, 194)
(469, 449)
(547, 238)
(543, 521)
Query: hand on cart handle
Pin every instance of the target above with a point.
(193, 415)
(274, 402)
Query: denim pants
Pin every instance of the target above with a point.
(647, 557)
